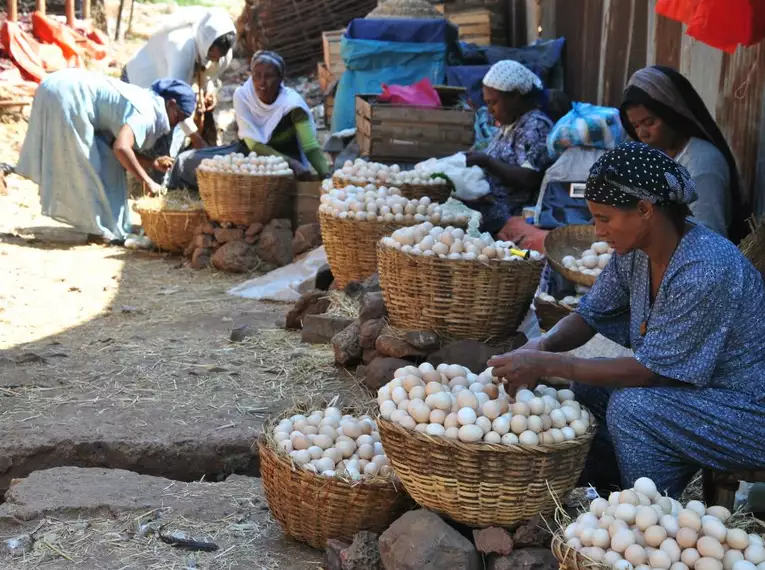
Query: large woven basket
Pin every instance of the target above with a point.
(570, 558)
(351, 245)
(548, 314)
(455, 298)
(171, 231)
(570, 240)
(481, 484)
(243, 199)
(753, 245)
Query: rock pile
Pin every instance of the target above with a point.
(240, 249)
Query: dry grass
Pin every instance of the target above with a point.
(343, 305)
(172, 201)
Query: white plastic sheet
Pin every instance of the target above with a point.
(469, 181)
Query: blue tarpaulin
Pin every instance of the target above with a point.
(403, 30)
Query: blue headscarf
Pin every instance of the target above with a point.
(178, 90)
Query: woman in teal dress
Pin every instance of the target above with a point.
(85, 131)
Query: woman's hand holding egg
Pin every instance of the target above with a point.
(522, 367)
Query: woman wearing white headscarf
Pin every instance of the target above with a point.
(195, 48)
(516, 158)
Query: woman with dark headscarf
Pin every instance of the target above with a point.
(661, 108)
(691, 307)
(86, 130)
(272, 119)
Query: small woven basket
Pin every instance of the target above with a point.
(170, 230)
(481, 484)
(243, 199)
(753, 245)
(457, 299)
(548, 314)
(570, 240)
(351, 245)
(438, 193)
(570, 558)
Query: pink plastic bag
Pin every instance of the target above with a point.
(421, 94)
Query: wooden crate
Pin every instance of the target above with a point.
(325, 77)
(332, 58)
(403, 133)
(478, 27)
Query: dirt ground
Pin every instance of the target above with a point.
(112, 358)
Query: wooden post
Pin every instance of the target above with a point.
(69, 11)
(119, 21)
(85, 9)
(13, 10)
(40, 6)
(130, 19)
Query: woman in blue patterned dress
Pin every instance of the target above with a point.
(691, 307)
(516, 158)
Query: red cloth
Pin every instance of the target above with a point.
(723, 24)
(21, 49)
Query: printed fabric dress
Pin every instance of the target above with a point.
(524, 144)
(75, 118)
(705, 329)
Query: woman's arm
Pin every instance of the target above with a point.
(516, 177)
(308, 142)
(123, 150)
(569, 333)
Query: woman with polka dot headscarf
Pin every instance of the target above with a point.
(516, 158)
(690, 306)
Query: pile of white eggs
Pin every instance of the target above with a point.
(450, 401)
(252, 165)
(451, 243)
(640, 529)
(569, 301)
(328, 443)
(592, 261)
(360, 172)
(383, 204)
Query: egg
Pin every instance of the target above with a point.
(622, 539)
(501, 425)
(586, 535)
(672, 549)
(605, 521)
(714, 528)
(491, 409)
(452, 432)
(466, 399)
(660, 560)
(738, 539)
(528, 438)
(598, 507)
(655, 535)
(300, 457)
(623, 565)
(626, 512)
(436, 430)
(346, 448)
(612, 557)
(635, 555)
(484, 423)
(743, 565)
(731, 557)
(754, 553)
(601, 538)
(679, 566)
(510, 439)
(689, 519)
(470, 433)
(686, 537)
(710, 547)
(669, 523)
(518, 424)
(646, 517)
(492, 437)
(697, 506)
(467, 416)
(706, 563)
(689, 557)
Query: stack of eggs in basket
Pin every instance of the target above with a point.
(361, 172)
(252, 165)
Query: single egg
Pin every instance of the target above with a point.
(470, 433)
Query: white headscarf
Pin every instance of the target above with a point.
(509, 75)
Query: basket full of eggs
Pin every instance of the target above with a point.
(440, 279)
(414, 184)
(640, 529)
(573, 252)
(325, 475)
(353, 219)
(549, 310)
(462, 447)
(246, 189)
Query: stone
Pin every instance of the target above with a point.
(333, 553)
(203, 240)
(307, 237)
(493, 540)
(275, 244)
(201, 258)
(372, 307)
(368, 355)
(346, 344)
(524, 559)
(394, 347)
(380, 371)
(421, 540)
(254, 230)
(324, 278)
(226, 225)
(281, 223)
(240, 333)
(372, 283)
(354, 289)
(363, 553)
(471, 354)
(319, 329)
(251, 240)
(223, 235)
(236, 257)
(426, 341)
(369, 332)
(310, 303)
(189, 251)
(532, 533)
(205, 228)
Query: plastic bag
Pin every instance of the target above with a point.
(469, 182)
(421, 94)
(588, 126)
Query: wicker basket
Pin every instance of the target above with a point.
(570, 558)
(351, 245)
(548, 314)
(169, 230)
(243, 199)
(482, 484)
(753, 245)
(570, 240)
(457, 299)
(437, 193)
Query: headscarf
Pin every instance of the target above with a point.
(270, 57)
(178, 90)
(671, 97)
(508, 76)
(214, 24)
(635, 171)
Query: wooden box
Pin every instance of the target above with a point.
(403, 133)
(479, 26)
(332, 58)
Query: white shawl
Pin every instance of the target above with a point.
(256, 120)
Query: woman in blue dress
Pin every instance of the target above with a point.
(691, 307)
(85, 131)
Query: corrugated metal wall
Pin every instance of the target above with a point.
(607, 40)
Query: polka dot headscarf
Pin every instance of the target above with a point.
(508, 76)
(634, 171)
